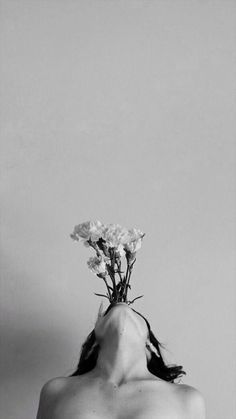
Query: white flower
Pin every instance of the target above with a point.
(97, 265)
(120, 251)
(135, 234)
(134, 245)
(89, 230)
(115, 235)
(135, 240)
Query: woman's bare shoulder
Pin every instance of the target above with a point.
(193, 401)
(55, 385)
(49, 392)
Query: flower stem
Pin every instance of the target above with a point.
(128, 275)
(109, 292)
(112, 272)
(121, 283)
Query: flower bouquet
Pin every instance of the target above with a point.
(114, 246)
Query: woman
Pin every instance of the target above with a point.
(121, 375)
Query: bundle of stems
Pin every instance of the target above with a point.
(117, 290)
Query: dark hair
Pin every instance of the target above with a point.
(156, 365)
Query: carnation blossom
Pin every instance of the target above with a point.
(115, 235)
(89, 230)
(134, 245)
(135, 234)
(97, 265)
(120, 251)
(135, 240)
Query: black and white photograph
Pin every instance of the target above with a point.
(118, 209)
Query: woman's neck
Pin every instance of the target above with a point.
(121, 360)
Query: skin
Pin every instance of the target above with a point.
(120, 386)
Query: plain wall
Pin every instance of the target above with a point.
(121, 111)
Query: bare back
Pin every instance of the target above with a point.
(88, 397)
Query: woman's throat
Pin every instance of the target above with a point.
(120, 361)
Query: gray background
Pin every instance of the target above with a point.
(122, 111)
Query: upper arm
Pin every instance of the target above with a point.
(47, 397)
